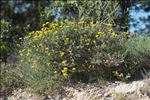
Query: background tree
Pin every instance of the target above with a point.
(19, 17)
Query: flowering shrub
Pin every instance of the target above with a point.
(63, 49)
(66, 47)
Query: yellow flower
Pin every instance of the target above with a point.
(40, 45)
(88, 40)
(93, 25)
(20, 38)
(71, 22)
(28, 54)
(69, 50)
(48, 31)
(64, 62)
(97, 36)
(86, 27)
(34, 61)
(109, 25)
(29, 50)
(103, 44)
(114, 34)
(65, 68)
(35, 38)
(56, 21)
(121, 75)
(18, 45)
(55, 72)
(26, 37)
(43, 25)
(94, 42)
(47, 23)
(136, 62)
(21, 54)
(63, 71)
(33, 46)
(61, 53)
(75, 29)
(53, 27)
(48, 63)
(33, 66)
(81, 22)
(46, 48)
(87, 44)
(126, 33)
(65, 74)
(74, 69)
(39, 32)
(115, 73)
(31, 32)
(66, 20)
(66, 40)
(61, 26)
(67, 26)
(97, 22)
(100, 33)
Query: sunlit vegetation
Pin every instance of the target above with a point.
(56, 43)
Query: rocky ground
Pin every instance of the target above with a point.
(136, 90)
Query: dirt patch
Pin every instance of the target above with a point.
(136, 90)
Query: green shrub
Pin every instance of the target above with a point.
(4, 37)
(138, 55)
(65, 51)
(11, 78)
(69, 48)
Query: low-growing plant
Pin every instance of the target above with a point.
(67, 51)
(10, 77)
(138, 55)
(120, 96)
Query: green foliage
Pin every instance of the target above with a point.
(15, 23)
(5, 35)
(86, 49)
(71, 51)
(8, 38)
(138, 54)
(11, 78)
(75, 51)
(42, 83)
(104, 11)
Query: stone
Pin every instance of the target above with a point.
(129, 88)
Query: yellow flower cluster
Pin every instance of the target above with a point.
(126, 33)
(81, 22)
(114, 34)
(66, 40)
(34, 64)
(58, 40)
(64, 71)
(64, 62)
(136, 62)
(109, 25)
(61, 54)
(48, 63)
(99, 33)
(116, 73)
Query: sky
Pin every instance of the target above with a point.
(135, 13)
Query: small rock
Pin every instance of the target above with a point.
(107, 94)
(129, 88)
